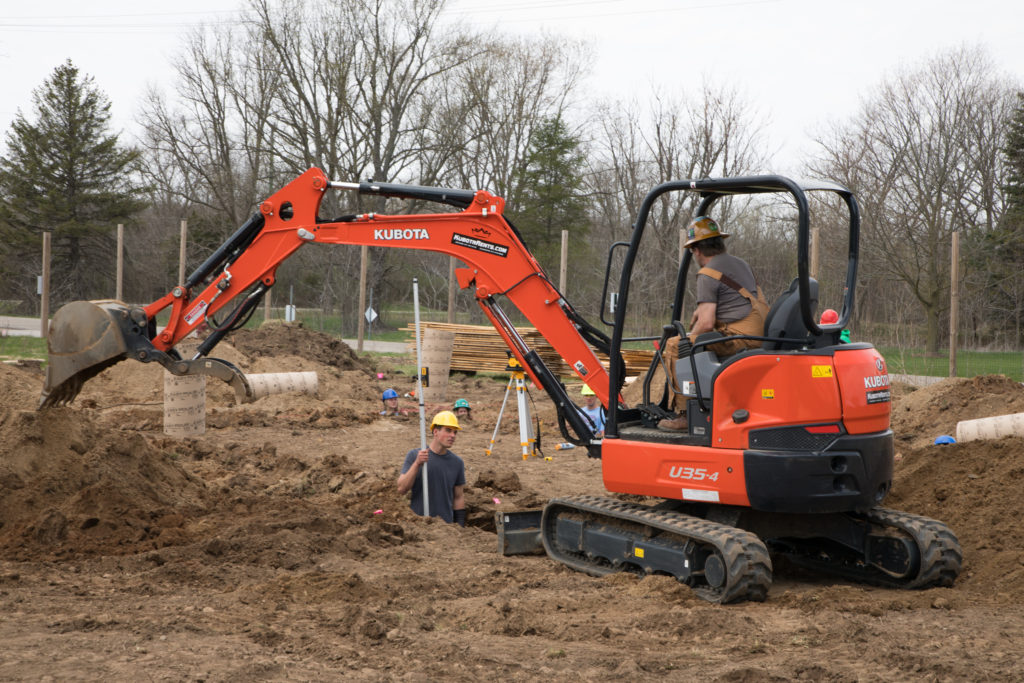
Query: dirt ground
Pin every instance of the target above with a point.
(274, 547)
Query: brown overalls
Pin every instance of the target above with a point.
(752, 324)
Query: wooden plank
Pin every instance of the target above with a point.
(481, 348)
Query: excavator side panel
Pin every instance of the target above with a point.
(693, 473)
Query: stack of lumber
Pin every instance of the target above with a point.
(480, 348)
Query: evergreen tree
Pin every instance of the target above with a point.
(552, 199)
(1005, 245)
(65, 173)
(1014, 155)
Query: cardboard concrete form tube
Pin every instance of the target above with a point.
(184, 405)
(990, 427)
(437, 356)
(267, 383)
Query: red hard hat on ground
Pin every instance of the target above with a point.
(829, 317)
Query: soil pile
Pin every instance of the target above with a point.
(921, 414)
(68, 485)
(275, 546)
(974, 487)
(293, 339)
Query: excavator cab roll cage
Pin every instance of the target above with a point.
(710, 191)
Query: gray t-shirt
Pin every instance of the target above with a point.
(444, 473)
(731, 305)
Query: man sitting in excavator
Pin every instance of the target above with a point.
(724, 304)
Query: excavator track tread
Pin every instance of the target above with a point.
(941, 556)
(938, 562)
(744, 556)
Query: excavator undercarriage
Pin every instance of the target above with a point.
(725, 554)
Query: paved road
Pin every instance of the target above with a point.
(30, 327)
(19, 327)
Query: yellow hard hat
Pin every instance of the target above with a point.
(445, 418)
(702, 228)
(587, 391)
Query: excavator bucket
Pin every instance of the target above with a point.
(85, 338)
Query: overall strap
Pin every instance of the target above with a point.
(729, 282)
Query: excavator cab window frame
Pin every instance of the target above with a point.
(712, 190)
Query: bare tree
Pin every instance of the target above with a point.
(712, 134)
(923, 155)
(501, 98)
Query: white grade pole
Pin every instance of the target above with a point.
(419, 390)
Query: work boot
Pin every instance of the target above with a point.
(675, 424)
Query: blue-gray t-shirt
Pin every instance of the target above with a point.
(444, 473)
(731, 305)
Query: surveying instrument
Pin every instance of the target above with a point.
(527, 437)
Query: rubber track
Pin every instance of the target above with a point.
(938, 547)
(749, 568)
(941, 556)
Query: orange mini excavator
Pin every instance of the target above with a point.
(789, 450)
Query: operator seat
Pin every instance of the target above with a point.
(785, 320)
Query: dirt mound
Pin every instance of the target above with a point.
(293, 339)
(976, 489)
(921, 414)
(68, 486)
(278, 535)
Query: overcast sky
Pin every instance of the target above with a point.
(802, 63)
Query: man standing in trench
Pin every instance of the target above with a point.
(446, 473)
(725, 304)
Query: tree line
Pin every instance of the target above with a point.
(385, 90)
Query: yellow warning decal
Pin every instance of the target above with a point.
(638, 552)
(767, 393)
(821, 371)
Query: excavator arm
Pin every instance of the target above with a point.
(86, 337)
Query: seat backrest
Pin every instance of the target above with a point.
(785, 320)
(707, 364)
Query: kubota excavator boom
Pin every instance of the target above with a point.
(87, 337)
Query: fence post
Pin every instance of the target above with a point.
(563, 268)
(44, 290)
(364, 257)
(954, 300)
(181, 252)
(815, 250)
(119, 286)
(451, 290)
